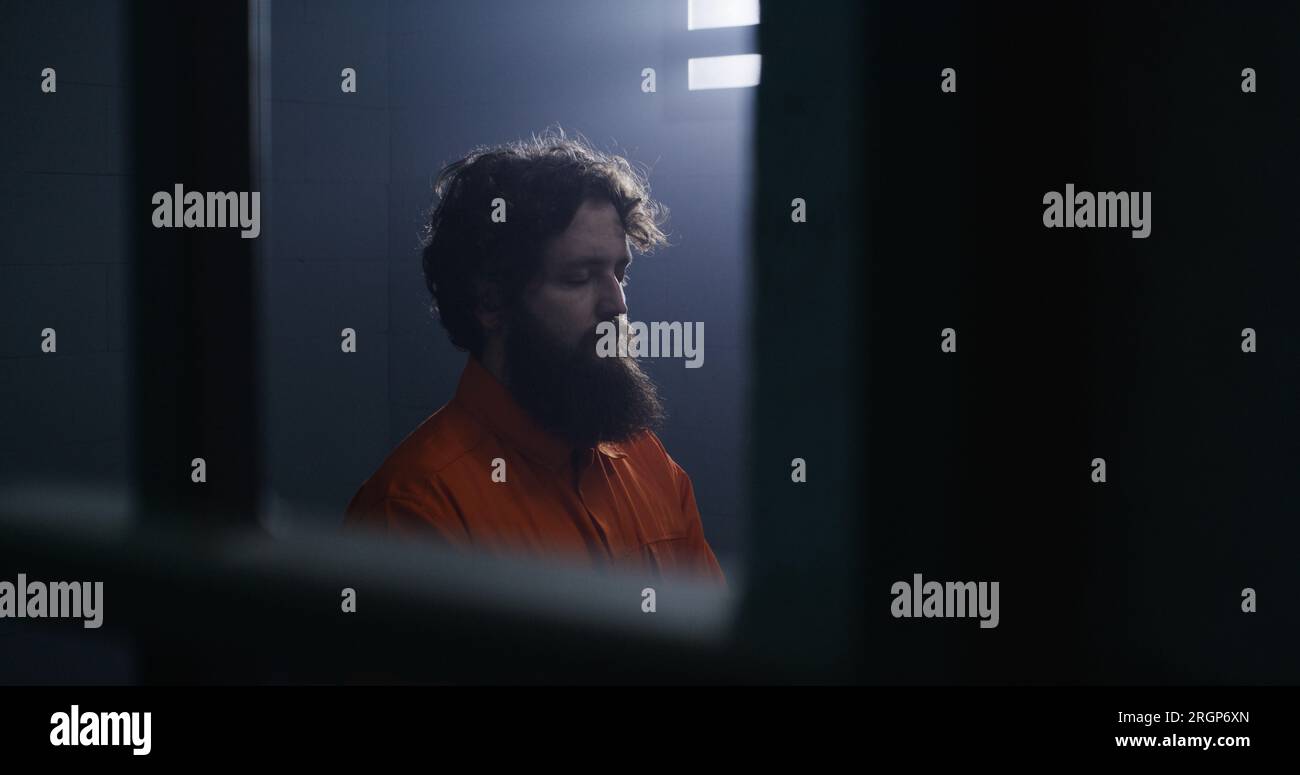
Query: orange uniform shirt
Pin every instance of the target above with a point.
(625, 505)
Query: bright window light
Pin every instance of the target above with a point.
(728, 72)
(707, 14)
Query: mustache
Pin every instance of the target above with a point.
(621, 329)
(586, 347)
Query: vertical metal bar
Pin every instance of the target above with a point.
(803, 610)
(193, 323)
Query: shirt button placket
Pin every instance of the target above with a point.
(601, 528)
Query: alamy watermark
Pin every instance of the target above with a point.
(208, 209)
(659, 339)
(53, 600)
(1105, 209)
(90, 728)
(953, 599)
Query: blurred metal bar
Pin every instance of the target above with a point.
(234, 606)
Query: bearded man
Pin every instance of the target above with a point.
(546, 449)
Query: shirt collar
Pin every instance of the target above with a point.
(491, 404)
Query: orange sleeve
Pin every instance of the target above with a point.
(432, 515)
(696, 558)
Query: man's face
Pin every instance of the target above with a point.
(580, 282)
(551, 363)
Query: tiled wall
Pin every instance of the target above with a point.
(63, 168)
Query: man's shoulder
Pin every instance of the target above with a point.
(647, 452)
(648, 443)
(444, 437)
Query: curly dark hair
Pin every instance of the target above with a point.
(543, 182)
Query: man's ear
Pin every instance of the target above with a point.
(489, 310)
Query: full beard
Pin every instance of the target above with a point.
(574, 393)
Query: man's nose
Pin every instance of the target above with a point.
(612, 300)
